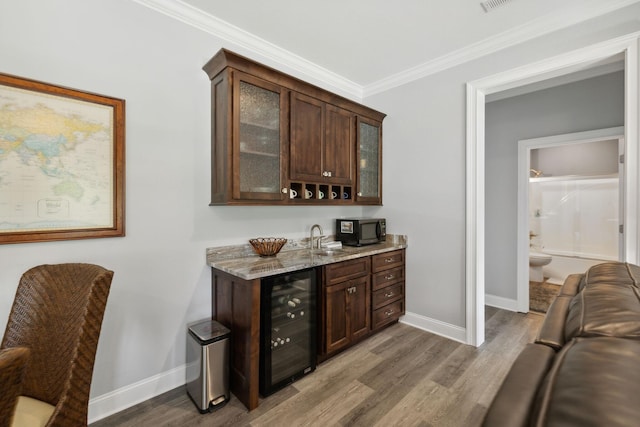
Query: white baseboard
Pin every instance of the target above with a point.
(118, 400)
(500, 302)
(437, 327)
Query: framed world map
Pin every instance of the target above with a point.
(61, 163)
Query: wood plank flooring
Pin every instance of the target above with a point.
(402, 376)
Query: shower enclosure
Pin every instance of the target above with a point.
(576, 220)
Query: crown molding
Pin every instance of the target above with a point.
(248, 42)
(589, 73)
(252, 44)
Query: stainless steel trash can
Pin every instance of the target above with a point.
(208, 364)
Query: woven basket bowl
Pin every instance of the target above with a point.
(267, 246)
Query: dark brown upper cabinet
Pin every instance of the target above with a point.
(307, 138)
(322, 147)
(279, 140)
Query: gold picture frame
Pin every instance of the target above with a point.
(62, 163)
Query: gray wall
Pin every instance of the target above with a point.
(425, 169)
(590, 104)
(122, 49)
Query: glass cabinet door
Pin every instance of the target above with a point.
(257, 138)
(369, 161)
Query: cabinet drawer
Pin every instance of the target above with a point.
(386, 295)
(387, 260)
(345, 270)
(387, 277)
(388, 313)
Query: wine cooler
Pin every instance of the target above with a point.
(287, 329)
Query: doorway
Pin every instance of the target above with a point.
(624, 47)
(569, 207)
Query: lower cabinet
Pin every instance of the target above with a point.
(347, 312)
(360, 296)
(347, 299)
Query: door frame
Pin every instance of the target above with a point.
(626, 47)
(524, 164)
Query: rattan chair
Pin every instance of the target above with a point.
(12, 364)
(57, 314)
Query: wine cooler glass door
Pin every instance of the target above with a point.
(288, 329)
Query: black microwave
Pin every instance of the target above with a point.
(361, 231)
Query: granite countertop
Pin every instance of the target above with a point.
(243, 262)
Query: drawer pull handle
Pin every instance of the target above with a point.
(389, 294)
(389, 276)
(388, 260)
(388, 312)
(352, 290)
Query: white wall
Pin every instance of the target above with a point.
(121, 49)
(590, 104)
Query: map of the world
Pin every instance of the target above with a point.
(55, 162)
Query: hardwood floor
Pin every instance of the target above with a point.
(402, 376)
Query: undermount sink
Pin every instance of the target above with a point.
(327, 252)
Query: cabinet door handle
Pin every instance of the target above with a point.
(329, 174)
(284, 190)
(360, 193)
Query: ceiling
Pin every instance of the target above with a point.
(366, 46)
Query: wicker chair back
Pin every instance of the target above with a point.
(57, 314)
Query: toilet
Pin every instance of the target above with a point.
(536, 261)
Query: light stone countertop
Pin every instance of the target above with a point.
(241, 261)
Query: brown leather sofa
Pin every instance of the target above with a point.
(584, 367)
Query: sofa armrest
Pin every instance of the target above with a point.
(515, 399)
(552, 330)
(571, 285)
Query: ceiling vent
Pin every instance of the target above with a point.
(489, 5)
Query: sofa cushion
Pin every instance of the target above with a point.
(621, 273)
(593, 382)
(31, 412)
(604, 309)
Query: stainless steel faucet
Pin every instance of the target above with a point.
(311, 238)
